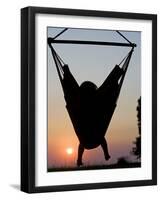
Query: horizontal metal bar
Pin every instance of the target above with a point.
(50, 40)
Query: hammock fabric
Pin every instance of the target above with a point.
(90, 108)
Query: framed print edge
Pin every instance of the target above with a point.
(154, 99)
(28, 99)
(24, 101)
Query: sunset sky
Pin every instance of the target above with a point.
(92, 63)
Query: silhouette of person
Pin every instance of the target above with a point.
(91, 109)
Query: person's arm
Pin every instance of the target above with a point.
(69, 83)
(112, 79)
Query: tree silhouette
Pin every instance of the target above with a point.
(137, 149)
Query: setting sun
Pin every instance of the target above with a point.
(69, 150)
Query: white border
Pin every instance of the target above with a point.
(91, 176)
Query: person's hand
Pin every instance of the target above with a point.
(66, 68)
(50, 41)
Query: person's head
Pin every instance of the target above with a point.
(88, 88)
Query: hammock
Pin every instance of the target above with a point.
(90, 108)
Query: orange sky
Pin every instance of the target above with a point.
(61, 135)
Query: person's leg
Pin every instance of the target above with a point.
(105, 149)
(80, 154)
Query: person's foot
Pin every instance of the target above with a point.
(79, 163)
(107, 157)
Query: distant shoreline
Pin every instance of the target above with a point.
(96, 167)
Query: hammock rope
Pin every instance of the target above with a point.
(88, 136)
(60, 63)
